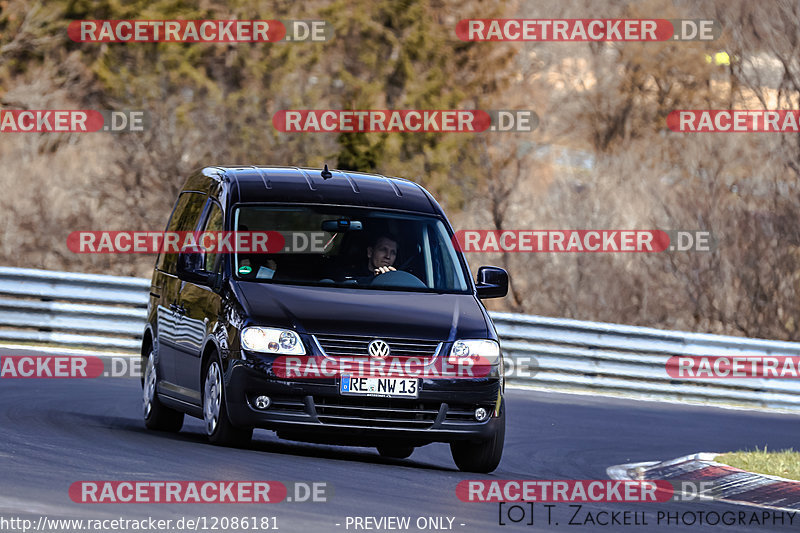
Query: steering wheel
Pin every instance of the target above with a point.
(397, 278)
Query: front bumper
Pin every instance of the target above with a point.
(314, 410)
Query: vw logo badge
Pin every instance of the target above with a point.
(378, 349)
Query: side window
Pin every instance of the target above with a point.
(184, 218)
(213, 223)
(445, 262)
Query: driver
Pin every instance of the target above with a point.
(381, 254)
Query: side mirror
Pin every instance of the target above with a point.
(492, 282)
(190, 268)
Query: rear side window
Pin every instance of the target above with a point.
(185, 216)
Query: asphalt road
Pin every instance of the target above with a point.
(58, 431)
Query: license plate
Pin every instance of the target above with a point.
(381, 387)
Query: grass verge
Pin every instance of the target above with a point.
(783, 463)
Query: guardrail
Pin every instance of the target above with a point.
(630, 360)
(69, 309)
(107, 313)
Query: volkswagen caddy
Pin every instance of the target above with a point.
(344, 333)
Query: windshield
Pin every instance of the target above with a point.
(350, 247)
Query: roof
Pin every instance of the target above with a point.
(306, 185)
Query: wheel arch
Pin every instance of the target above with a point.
(147, 344)
(209, 349)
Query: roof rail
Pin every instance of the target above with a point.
(350, 180)
(264, 178)
(396, 189)
(309, 180)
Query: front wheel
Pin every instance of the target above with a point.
(482, 456)
(156, 415)
(219, 428)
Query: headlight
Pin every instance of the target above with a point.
(271, 340)
(487, 350)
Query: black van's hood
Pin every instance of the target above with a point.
(363, 311)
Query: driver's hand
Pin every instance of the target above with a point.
(384, 270)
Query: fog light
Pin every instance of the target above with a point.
(481, 414)
(263, 402)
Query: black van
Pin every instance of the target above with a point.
(366, 272)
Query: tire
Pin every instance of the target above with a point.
(219, 428)
(483, 456)
(395, 451)
(156, 415)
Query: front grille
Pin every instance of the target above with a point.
(356, 346)
(287, 403)
(376, 412)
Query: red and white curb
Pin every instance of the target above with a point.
(716, 481)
